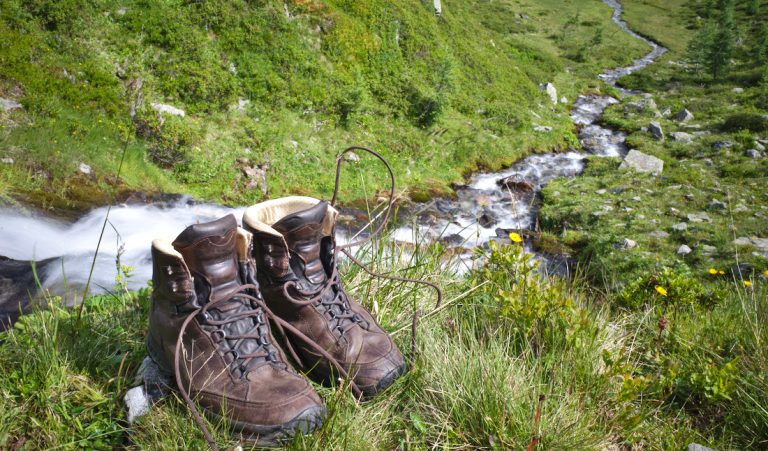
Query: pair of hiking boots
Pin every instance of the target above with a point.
(218, 286)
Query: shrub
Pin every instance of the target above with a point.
(753, 122)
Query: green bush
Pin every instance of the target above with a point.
(754, 122)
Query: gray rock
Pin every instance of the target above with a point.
(708, 162)
(563, 99)
(680, 227)
(551, 91)
(627, 244)
(696, 446)
(715, 204)
(718, 145)
(656, 131)
(753, 153)
(542, 128)
(684, 250)
(121, 11)
(351, 156)
(642, 162)
(171, 110)
(684, 116)
(6, 160)
(698, 217)
(660, 234)
(759, 146)
(151, 385)
(682, 137)
(644, 105)
(85, 169)
(9, 104)
(708, 250)
(737, 90)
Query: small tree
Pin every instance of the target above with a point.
(713, 46)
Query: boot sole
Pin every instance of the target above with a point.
(263, 436)
(384, 383)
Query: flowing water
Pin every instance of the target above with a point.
(481, 211)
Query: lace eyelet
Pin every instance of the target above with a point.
(235, 354)
(218, 335)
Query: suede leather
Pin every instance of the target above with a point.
(262, 392)
(304, 255)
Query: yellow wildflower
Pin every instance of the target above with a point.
(747, 283)
(765, 273)
(515, 237)
(722, 273)
(661, 290)
(713, 271)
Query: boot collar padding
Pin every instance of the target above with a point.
(165, 247)
(244, 238)
(261, 217)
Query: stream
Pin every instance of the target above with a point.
(484, 209)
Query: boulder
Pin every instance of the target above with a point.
(170, 110)
(6, 160)
(715, 204)
(718, 145)
(680, 227)
(551, 91)
(684, 250)
(9, 104)
(759, 146)
(681, 137)
(737, 90)
(644, 105)
(753, 153)
(656, 131)
(684, 116)
(698, 217)
(542, 128)
(628, 244)
(84, 169)
(515, 182)
(660, 234)
(642, 162)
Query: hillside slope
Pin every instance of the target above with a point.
(285, 83)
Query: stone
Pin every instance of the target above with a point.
(680, 227)
(707, 249)
(660, 234)
(684, 116)
(637, 198)
(84, 169)
(759, 146)
(681, 137)
(542, 128)
(753, 153)
(644, 105)
(150, 386)
(697, 447)
(6, 160)
(486, 220)
(698, 217)
(737, 90)
(642, 162)
(708, 162)
(170, 110)
(563, 99)
(137, 403)
(515, 182)
(9, 104)
(628, 244)
(351, 157)
(718, 145)
(684, 250)
(551, 91)
(601, 191)
(121, 11)
(715, 204)
(656, 131)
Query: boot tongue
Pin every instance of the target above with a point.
(303, 232)
(209, 249)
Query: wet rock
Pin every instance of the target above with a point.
(715, 204)
(642, 162)
(753, 153)
(517, 183)
(680, 227)
(9, 104)
(17, 283)
(684, 116)
(6, 160)
(656, 131)
(452, 240)
(681, 137)
(719, 145)
(684, 250)
(84, 169)
(486, 219)
(698, 217)
(551, 91)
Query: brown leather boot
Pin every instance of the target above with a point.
(294, 253)
(237, 370)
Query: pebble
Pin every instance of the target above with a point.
(85, 169)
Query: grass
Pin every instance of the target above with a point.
(389, 75)
(509, 343)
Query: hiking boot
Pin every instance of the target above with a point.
(237, 371)
(294, 253)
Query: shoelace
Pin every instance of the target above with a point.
(282, 327)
